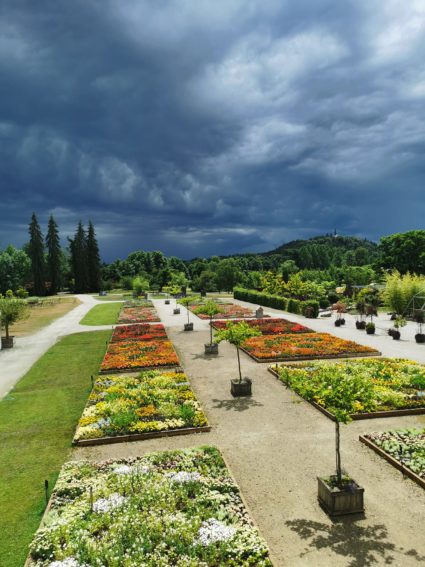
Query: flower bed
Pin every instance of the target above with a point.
(227, 311)
(154, 401)
(303, 346)
(138, 315)
(403, 448)
(177, 508)
(131, 355)
(381, 385)
(140, 332)
(269, 326)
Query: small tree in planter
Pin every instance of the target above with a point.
(361, 310)
(186, 301)
(399, 322)
(339, 307)
(11, 311)
(339, 494)
(419, 316)
(209, 308)
(140, 286)
(236, 334)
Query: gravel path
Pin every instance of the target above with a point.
(16, 362)
(276, 444)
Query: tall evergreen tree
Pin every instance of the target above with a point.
(36, 254)
(93, 259)
(53, 256)
(78, 248)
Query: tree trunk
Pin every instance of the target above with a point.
(338, 454)
(6, 328)
(239, 365)
(211, 330)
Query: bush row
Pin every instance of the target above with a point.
(307, 308)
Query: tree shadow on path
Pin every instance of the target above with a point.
(364, 545)
(236, 404)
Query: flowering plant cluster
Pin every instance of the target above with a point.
(303, 346)
(269, 326)
(140, 332)
(358, 386)
(176, 508)
(405, 445)
(227, 311)
(153, 401)
(139, 314)
(134, 354)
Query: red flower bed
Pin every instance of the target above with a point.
(140, 332)
(138, 315)
(124, 355)
(304, 346)
(269, 326)
(228, 311)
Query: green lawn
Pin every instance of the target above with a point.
(102, 314)
(37, 423)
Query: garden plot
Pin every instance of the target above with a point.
(131, 355)
(403, 448)
(177, 508)
(227, 311)
(268, 326)
(303, 346)
(138, 314)
(379, 387)
(127, 408)
(139, 332)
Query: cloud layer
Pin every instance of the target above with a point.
(212, 127)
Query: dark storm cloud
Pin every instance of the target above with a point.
(202, 127)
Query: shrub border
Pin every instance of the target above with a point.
(397, 464)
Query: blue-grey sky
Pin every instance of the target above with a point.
(202, 127)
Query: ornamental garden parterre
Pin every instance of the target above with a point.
(173, 508)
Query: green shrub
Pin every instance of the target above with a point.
(310, 309)
(294, 306)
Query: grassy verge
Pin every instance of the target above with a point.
(42, 314)
(37, 423)
(102, 314)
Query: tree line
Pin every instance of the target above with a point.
(43, 267)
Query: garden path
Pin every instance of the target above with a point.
(276, 444)
(15, 362)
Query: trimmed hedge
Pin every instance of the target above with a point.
(306, 308)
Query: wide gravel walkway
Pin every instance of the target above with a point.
(276, 444)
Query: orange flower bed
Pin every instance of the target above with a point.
(269, 326)
(139, 332)
(227, 311)
(129, 355)
(304, 346)
(138, 315)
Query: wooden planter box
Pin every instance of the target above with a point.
(7, 342)
(211, 348)
(141, 436)
(239, 389)
(312, 357)
(167, 302)
(188, 326)
(176, 311)
(340, 502)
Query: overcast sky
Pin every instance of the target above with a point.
(210, 127)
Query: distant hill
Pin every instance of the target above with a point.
(344, 243)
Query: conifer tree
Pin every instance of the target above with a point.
(78, 248)
(93, 259)
(53, 256)
(36, 254)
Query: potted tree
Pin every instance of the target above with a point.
(339, 494)
(399, 322)
(11, 311)
(339, 307)
(419, 317)
(236, 334)
(361, 310)
(370, 312)
(186, 301)
(209, 308)
(140, 287)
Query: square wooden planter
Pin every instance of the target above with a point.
(167, 302)
(176, 311)
(211, 348)
(340, 502)
(239, 389)
(188, 326)
(7, 342)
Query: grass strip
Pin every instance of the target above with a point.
(102, 314)
(37, 423)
